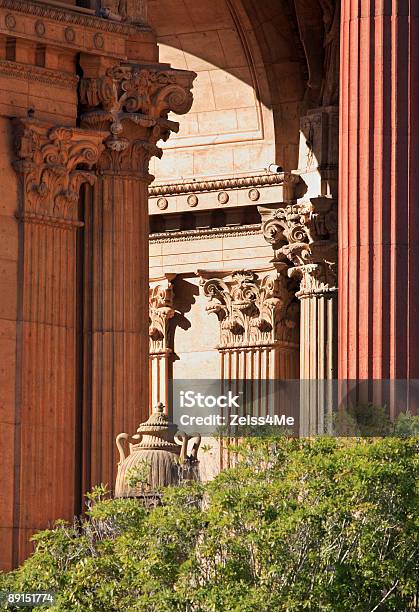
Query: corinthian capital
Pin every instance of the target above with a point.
(131, 103)
(315, 278)
(160, 312)
(253, 307)
(306, 235)
(53, 162)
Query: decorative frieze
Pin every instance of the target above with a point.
(226, 192)
(132, 103)
(239, 182)
(53, 163)
(201, 234)
(71, 14)
(253, 308)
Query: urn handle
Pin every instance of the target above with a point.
(119, 439)
(196, 439)
(183, 439)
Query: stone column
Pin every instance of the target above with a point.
(258, 343)
(129, 103)
(47, 410)
(161, 311)
(378, 193)
(306, 234)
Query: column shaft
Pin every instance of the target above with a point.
(116, 337)
(129, 103)
(318, 361)
(318, 357)
(161, 311)
(47, 417)
(378, 198)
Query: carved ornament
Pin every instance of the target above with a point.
(160, 312)
(53, 162)
(306, 235)
(132, 104)
(258, 180)
(124, 10)
(253, 308)
(38, 74)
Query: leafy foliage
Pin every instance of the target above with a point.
(320, 525)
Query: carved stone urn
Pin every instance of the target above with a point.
(158, 460)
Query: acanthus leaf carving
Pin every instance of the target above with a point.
(251, 306)
(306, 235)
(53, 162)
(316, 278)
(132, 104)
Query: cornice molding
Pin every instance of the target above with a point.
(68, 15)
(38, 74)
(243, 182)
(201, 234)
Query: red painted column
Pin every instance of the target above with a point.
(378, 190)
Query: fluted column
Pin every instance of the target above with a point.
(129, 104)
(258, 342)
(47, 417)
(378, 193)
(306, 235)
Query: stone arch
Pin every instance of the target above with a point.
(250, 90)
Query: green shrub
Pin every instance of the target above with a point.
(322, 525)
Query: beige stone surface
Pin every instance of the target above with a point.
(231, 93)
(217, 249)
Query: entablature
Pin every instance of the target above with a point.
(224, 192)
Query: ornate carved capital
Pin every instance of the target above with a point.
(132, 104)
(254, 308)
(306, 235)
(160, 312)
(53, 162)
(315, 278)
